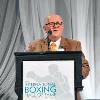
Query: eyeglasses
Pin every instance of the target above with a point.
(55, 23)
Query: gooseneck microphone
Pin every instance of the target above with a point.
(48, 40)
(49, 32)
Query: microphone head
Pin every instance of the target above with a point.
(49, 32)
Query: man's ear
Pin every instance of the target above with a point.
(45, 28)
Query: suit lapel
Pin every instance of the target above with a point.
(65, 44)
(45, 45)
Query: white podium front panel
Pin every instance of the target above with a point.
(48, 80)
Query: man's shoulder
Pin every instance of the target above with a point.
(35, 45)
(71, 44)
(37, 41)
(73, 41)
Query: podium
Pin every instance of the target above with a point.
(32, 69)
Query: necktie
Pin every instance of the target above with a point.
(53, 47)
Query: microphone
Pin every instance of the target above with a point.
(48, 40)
(49, 33)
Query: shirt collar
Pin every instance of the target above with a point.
(57, 42)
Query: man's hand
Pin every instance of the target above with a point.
(85, 72)
(85, 68)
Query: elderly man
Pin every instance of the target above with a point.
(53, 27)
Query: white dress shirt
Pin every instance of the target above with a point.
(57, 44)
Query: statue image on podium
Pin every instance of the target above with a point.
(60, 80)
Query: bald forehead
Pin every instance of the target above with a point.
(53, 18)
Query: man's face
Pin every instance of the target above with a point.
(55, 25)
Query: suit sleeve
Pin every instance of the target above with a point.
(34, 46)
(28, 47)
(85, 64)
